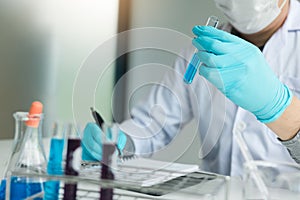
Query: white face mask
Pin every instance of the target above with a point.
(250, 16)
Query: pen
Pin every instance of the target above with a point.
(98, 119)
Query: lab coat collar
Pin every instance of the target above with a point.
(292, 23)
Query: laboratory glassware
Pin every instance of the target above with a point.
(28, 154)
(195, 62)
(55, 161)
(281, 179)
(266, 180)
(248, 158)
(109, 158)
(106, 170)
(73, 160)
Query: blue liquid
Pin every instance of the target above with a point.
(191, 70)
(21, 189)
(51, 190)
(54, 167)
(2, 189)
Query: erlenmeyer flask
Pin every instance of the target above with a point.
(28, 155)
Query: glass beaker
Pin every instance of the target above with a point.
(28, 156)
(281, 179)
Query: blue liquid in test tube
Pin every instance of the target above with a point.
(195, 63)
(191, 69)
(54, 167)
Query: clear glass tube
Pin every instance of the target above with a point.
(73, 160)
(212, 21)
(195, 62)
(55, 161)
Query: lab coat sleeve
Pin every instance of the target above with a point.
(293, 147)
(156, 121)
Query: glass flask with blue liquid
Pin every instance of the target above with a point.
(28, 156)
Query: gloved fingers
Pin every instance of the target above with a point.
(218, 61)
(122, 138)
(93, 149)
(92, 133)
(207, 58)
(108, 134)
(198, 45)
(223, 78)
(204, 43)
(210, 60)
(92, 139)
(90, 155)
(213, 75)
(215, 34)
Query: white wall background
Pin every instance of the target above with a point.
(42, 46)
(179, 15)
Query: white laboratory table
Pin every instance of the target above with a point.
(235, 186)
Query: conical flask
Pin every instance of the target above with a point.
(28, 154)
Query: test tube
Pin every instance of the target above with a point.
(195, 62)
(248, 158)
(72, 161)
(106, 170)
(54, 166)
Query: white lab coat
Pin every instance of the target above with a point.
(173, 103)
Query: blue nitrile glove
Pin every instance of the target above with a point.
(92, 143)
(239, 70)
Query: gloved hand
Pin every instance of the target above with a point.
(92, 143)
(239, 70)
